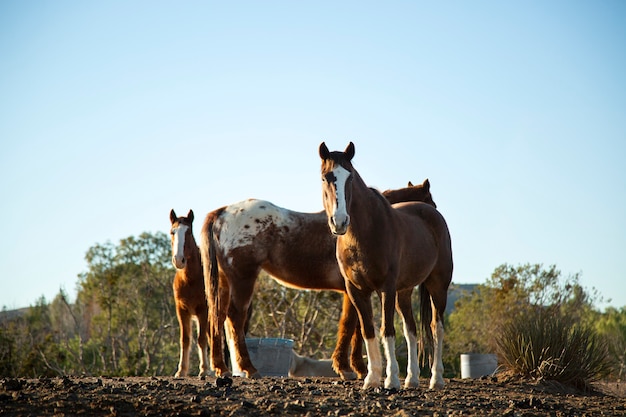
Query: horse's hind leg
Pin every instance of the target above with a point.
(203, 342)
(216, 332)
(345, 332)
(438, 300)
(184, 322)
(403, 305)
(389, 339)
(241, 297)
(436, 380)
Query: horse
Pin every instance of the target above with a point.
(388, 250)
(189, 294)
(300, 366)
(296, 250)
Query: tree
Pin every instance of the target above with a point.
(127, 300)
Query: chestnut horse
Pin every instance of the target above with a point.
(388, 250)
(189, 292)
(295, 249)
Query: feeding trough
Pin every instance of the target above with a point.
(270, 356)
(476, 365)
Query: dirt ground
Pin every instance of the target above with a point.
(192, 396)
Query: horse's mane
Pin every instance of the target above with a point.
(380, 195)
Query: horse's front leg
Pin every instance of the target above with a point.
(356, 355)
(362, 301)
(403, 305)
(388, 332)
(184, 322)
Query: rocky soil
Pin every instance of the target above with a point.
(169, 396)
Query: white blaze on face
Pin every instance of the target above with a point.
(178, 246)
(339, 215)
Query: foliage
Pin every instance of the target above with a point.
(123, 320)
(506, 295)
(547, 344)
(611, 325)
(122, 323)
(531, 316)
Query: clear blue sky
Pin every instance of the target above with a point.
(114, 112)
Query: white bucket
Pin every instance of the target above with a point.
(271, 357)
(475, 365)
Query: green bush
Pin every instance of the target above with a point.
(546, 344)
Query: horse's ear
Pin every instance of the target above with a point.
(173, 216)
(410, 184)
(190, 215)
(349, 151)
(324, 152)
(426, 184)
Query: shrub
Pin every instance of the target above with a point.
(549, 345)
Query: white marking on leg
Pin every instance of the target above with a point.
(392, 380)
(178, 247)
(182, 363)
(436, 380)
(413, 367)
(230, 341)
(374, 364)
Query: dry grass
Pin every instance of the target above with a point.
(547, 346)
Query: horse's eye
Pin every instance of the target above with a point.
(172, 232)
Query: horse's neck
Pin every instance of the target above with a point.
(368, 209)
(194, 264)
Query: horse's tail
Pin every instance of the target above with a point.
(211, 270)
(426, 318)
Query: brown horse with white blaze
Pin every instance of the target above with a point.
(189, 293)
(295, 249)
(388, 250)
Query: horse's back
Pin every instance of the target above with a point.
(423, 213)
(295, 248)
(428, 231)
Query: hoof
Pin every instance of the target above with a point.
(348, 375)
(255, 375)
(371, 382)
(436, 385)
(411, 383)
(360, 370)
(392, 384)
(223, 374)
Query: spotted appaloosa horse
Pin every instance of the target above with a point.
(295, 249)
(388, 250)
(189, 292)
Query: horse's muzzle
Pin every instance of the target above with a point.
(339, 229)
(179, 263)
